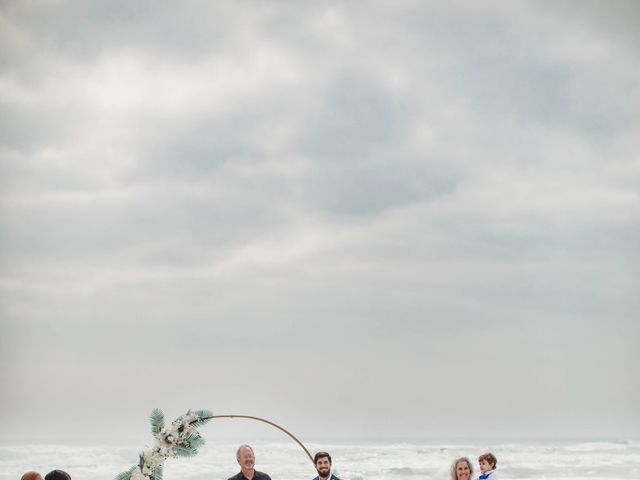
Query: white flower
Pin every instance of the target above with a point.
(153, 457)
(190, 417)
(165, 452)
(169, 435)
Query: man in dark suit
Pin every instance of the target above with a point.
(322, 461)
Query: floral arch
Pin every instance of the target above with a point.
(180, 439)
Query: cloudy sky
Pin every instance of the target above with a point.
(357, 219)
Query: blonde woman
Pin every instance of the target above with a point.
(461, 469)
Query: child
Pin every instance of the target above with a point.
(488, 463)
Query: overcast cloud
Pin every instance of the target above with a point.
(353, 218)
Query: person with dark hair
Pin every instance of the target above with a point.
(488, 463)
(322, 462)
(57, 475)
(31, 476)
(246, 459)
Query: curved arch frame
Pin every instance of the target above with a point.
(269, 423)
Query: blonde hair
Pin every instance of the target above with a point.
(454, 467)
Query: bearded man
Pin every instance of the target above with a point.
(322, 462)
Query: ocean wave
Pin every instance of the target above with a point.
(401, 471)
(285, 461)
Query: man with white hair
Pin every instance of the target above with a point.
(247, 460)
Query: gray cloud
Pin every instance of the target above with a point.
(352, 212)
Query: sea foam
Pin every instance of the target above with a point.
(607, 460)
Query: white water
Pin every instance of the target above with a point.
(607, 460)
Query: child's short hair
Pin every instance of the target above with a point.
(490, 458)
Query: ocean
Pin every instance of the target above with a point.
(567, 460)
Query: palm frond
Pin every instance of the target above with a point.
(157, 473)
(184, 451)
(203, 414)
(157, 421)
(125, 475)
(196, 441)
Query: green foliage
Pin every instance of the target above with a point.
(125, 475)
(157, 421)
(202, 420)
(196, 442)
(157, 473)
(204, 413)
(181, 451)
